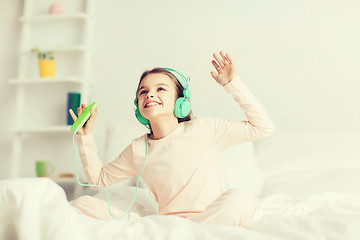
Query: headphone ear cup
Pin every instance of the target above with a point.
(182, 107)
(141, 118)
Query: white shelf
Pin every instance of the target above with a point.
(49, 129)
(62, 48)
(47, 80)
(47, 17)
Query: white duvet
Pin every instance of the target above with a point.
(36, 208)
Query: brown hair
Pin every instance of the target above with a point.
(179, 88)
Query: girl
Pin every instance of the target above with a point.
(182, 168)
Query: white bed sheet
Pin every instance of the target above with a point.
(33, 208)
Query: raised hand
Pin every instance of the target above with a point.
(89, 125)
(225, 68)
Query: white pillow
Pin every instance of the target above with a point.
(296, 151)
(117, 138)
(238, 169)
(303, 184)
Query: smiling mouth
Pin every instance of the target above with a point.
(152, 104)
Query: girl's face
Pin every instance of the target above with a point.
(156, 96)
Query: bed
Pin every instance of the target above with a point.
(308, 190)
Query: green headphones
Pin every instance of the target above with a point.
(182, 104)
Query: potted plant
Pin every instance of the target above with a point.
(46, 61)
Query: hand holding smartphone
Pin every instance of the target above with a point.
(84, 114)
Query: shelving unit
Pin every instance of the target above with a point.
(51, 17)
(46, 80)
(23, 81)
(51, 129)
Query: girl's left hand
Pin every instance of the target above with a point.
(225, 68)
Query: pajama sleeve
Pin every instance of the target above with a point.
(119, 169)
(226, 133)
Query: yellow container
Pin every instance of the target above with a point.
(47, 68)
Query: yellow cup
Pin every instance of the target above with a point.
(47, 68)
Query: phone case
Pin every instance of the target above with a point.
(84, 116)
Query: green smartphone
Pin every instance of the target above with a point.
(84, 116)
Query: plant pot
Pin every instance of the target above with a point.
(47, 68)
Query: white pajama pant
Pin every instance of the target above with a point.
(235, 207)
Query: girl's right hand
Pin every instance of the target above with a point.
(225, 68)
(89, 125)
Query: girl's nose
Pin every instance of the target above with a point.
(150, 95)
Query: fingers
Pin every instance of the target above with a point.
(221, 62)
(80, 109)
(215, 65)
(213, 74)
(229, 58)
(72, 114)
(93, 112)
(218, 59)
(224, 58)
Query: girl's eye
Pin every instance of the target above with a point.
(145, 91)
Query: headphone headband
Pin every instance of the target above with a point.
(184, 83)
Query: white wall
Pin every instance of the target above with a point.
(300, 58)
